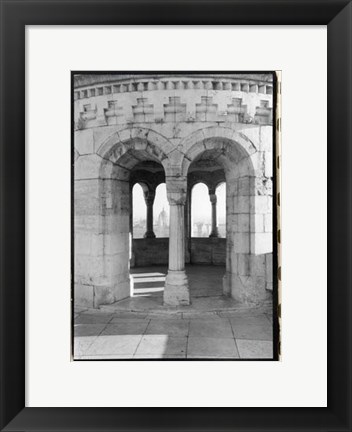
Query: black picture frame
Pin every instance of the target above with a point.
(15, 15)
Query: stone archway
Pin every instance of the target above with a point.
(102, 214)
(248, 247)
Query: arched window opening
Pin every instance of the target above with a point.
(201, 211)
(161, 212)
(221, 209)
(139, 210)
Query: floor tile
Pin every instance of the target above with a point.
(93, 318)
(254, 349)
(249, 319)
(79, 309)
(162, 345)
(256, 328)
(210, 346)
(88, 329)
(81, 345)
(126, 328)
(170, 327)
(117, 344)
(211, 328)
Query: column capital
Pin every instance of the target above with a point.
(176, 190)
(212, 197)
(149, 197)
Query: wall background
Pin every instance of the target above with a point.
(52, 380)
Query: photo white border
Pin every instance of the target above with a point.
(300, 379)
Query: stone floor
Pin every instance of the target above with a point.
(213, 327)
(133, 335)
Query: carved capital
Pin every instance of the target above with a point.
(177, 198)
(149, 198)
(176, 190)
(212, 198)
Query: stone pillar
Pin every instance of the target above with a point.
(176, 284)
(149, 200)
(214, 228)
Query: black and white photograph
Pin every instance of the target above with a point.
(174, 216)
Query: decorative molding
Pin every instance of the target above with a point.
(175, 83)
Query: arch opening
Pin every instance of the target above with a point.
(162, 212)
(139, 210)
(201, 210)
(239, 251)
(132, 171)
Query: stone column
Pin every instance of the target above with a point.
(176, 285)
(149, 200)
(214, 228)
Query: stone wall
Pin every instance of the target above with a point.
(208, 251)
(149, 252)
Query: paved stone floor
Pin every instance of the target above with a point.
(213, 327)
(127, 335)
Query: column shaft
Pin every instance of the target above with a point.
(149, 200)
(177, 238)
(176, 284)
(214, 228)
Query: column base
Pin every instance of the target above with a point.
(149, 234)
(214, 234)
(176, 291)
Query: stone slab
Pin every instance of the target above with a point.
(83, 330)
(252, 328)
(81, 345)
(126, 328)
(171, 327)
(117, 344)
(254, 349)
(162, 345)
(211, 328)
(93, 318)
(199, 347)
